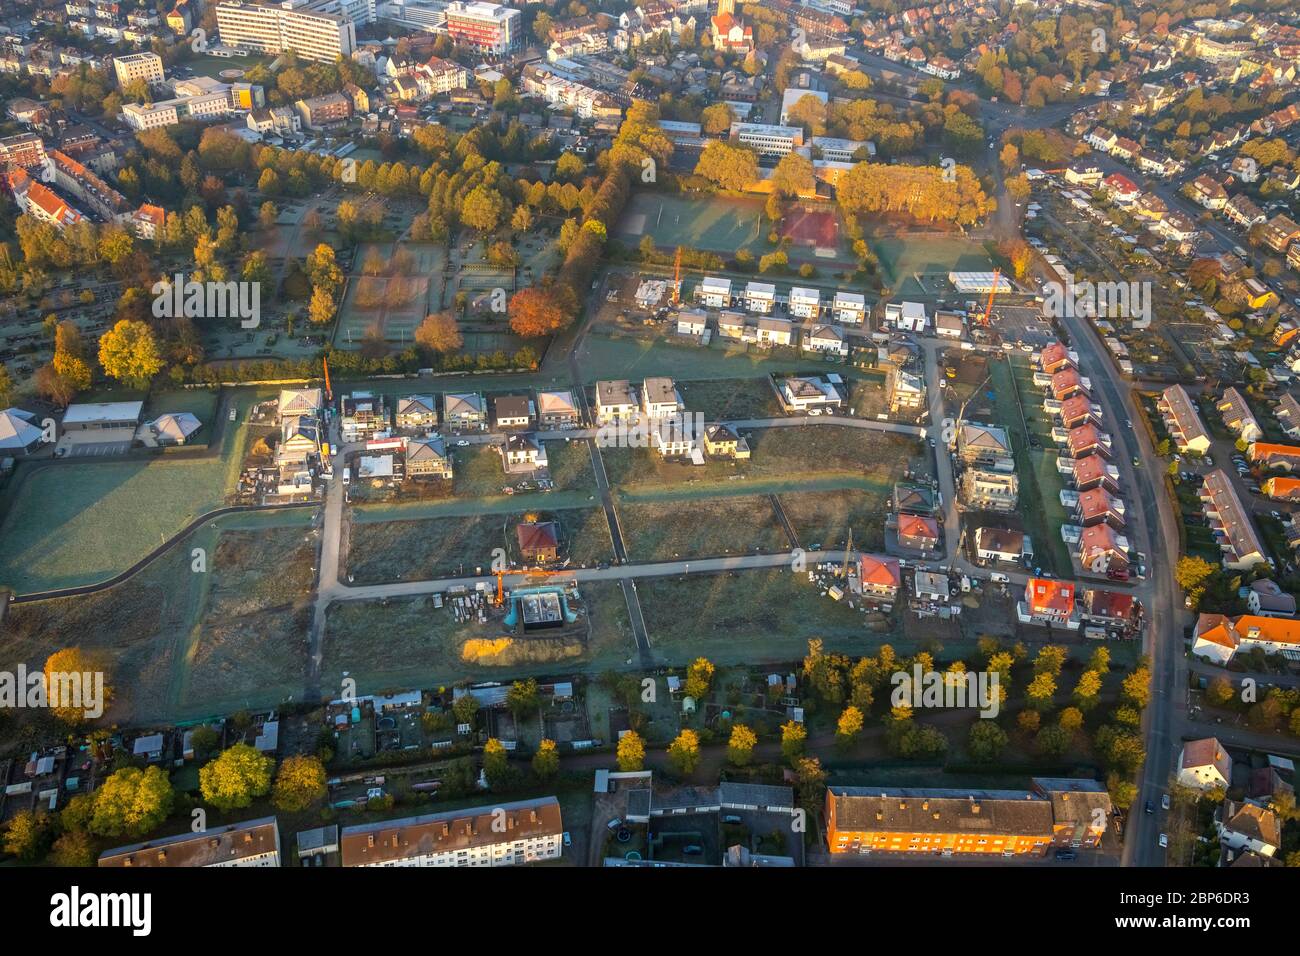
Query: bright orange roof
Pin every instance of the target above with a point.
(918, 526)
(1283, 630)
(1263, 449)
(882, 572)
(1050, 595)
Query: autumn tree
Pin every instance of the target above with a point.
(849, 727)
(546, 762)
(986, 741)
(793, 737)
(793, 176)
(26, 834)
(439, 332)
(729, 167)
(1040, 691)
(131, 802)
(698, 678)
(299, 783)
(631, 752)
(539, 310)
(321, 308)
(483, 208)
(684, 752)
(465, 708)
(235, 777)
(129, 353)
(740, 747)
(68, 668)
(495, 761)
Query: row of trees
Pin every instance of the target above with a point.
(133, 802)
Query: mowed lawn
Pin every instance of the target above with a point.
(79, 522)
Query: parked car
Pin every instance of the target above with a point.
(1164, 802)
(568, 840)
(1164, 840)
(1066, 856)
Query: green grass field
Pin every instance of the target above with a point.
(720, 224)
(901, 257)
(81, 521)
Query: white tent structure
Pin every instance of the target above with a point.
(17, 433)
(174, 428)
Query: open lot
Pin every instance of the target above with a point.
(402, 643)
(419, 549)
(823, 518)
(722, 224)
(788, 457)
(903, 258)
(702, 527)
(249, 645)
(721, 399)
(748, 617)
(179, 644)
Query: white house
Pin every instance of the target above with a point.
(715, 293)
(805, 303)
(760, 297)
(907, 316)
(849, 308)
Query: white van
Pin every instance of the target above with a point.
(347, 474)
(996, 576)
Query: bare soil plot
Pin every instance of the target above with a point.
(702, 527)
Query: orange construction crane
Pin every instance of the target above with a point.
(677, 277)
(993, 290)
(329, 394)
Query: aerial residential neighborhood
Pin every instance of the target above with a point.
(678, 435)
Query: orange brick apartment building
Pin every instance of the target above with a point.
(1057, 812)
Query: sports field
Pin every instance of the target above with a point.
(713, 223)
(904, 259)
(396, 300)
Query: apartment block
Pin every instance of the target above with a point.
(506, 834)
(265, 28)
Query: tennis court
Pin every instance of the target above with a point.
(816, 226)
